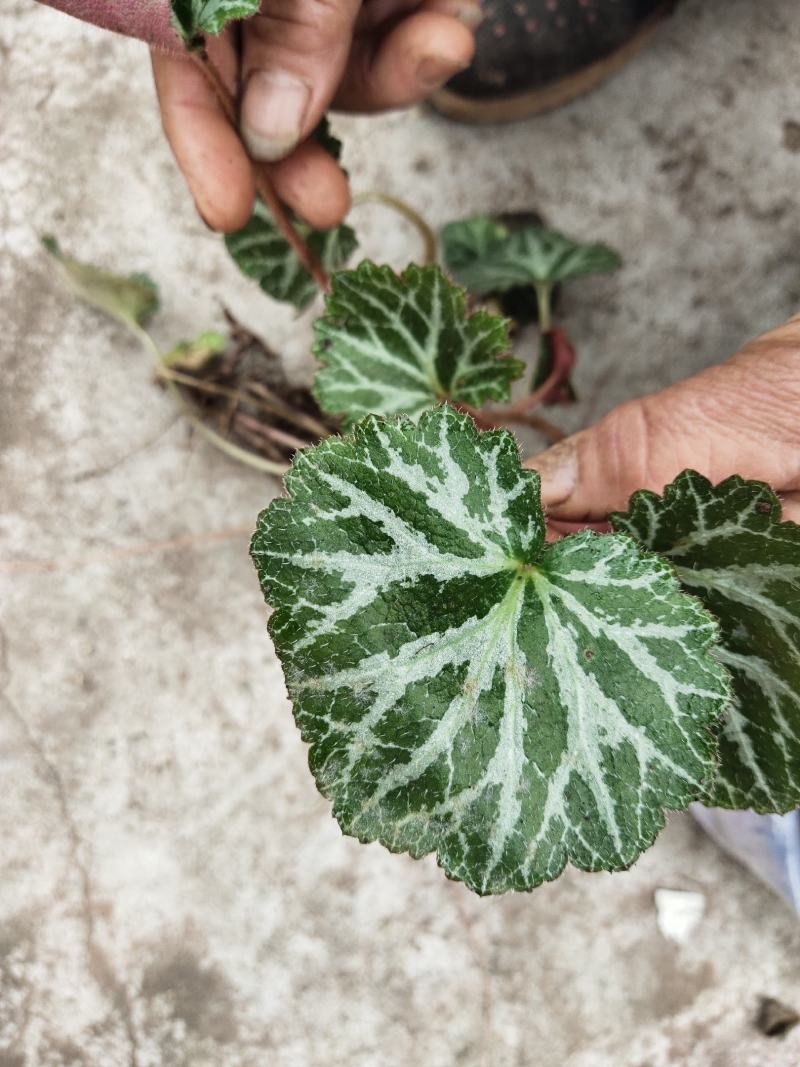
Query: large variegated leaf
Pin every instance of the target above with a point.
(731, 549)
(466, 689)
(194, 19)
(393, 344)
(487, 256)
(262, 252)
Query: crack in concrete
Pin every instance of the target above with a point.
(100, 966)
(132, 453)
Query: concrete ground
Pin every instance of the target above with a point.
(174, 892)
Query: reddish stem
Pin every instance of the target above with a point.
(521, 410)
(272, 433)
(499, 418)
(524, 405)
(263, 184)
(555, 345)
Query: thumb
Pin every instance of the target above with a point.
(736, 418)
(293, 59)
(593, 472)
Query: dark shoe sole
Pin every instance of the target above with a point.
(524, 105)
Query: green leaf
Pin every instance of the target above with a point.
(193, 19)
(131, 300)
(393, 344)
(731, 549)
(195, 354)
(324, 136)
(463, 687)
(261, 252)
(486, 256)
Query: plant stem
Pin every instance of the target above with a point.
(544, 426)
(260, 398)
(408, 212)
(499, 418)
(263, 184)
(272, 433)
(278, 406)
(544, 292)
(521, 410)
(523, 406)
(217, 440)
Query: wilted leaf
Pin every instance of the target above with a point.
(393, 344)
(486, 256)
(195, 354)
(731, 549)
(466, 689)
(260, 251)
(131, 299)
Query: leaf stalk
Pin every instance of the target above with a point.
(263, 184)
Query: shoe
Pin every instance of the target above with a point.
(534, 55)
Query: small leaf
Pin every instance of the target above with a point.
(486, 256)
(468, 245)
(260, 251)
(393, 344)
(194, 355)
(324, 136)
(131, 300)
(732, 551)
(193, 19)
(463, 687)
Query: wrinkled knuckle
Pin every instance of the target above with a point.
(312, 23)
(631, 432)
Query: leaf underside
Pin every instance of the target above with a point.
(260, 251)
(392, 344)
(464, 688)
(485, 256)
(193, 19)
(732, 551)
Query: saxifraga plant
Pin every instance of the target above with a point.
(464, 687)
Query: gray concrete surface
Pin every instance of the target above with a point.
(173, 890)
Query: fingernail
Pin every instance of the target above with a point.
(558, 467)
(273, 109)
(470, 15)
(434, 71)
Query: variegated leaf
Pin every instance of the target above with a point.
(193, 19)
(262, 252)
(463, 687)
(393, 344)
(486, 256)
(731, 549)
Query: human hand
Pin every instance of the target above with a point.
(288, 65)
(742, 417)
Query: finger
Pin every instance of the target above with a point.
(564, 528)
(418, 55)
(595, 471)
(467, 12)
(312, 183)
(376, 13)
(736, 418)
(791, 507)
(292, 61)
(206, 148)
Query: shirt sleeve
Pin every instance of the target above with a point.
(149, 20)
